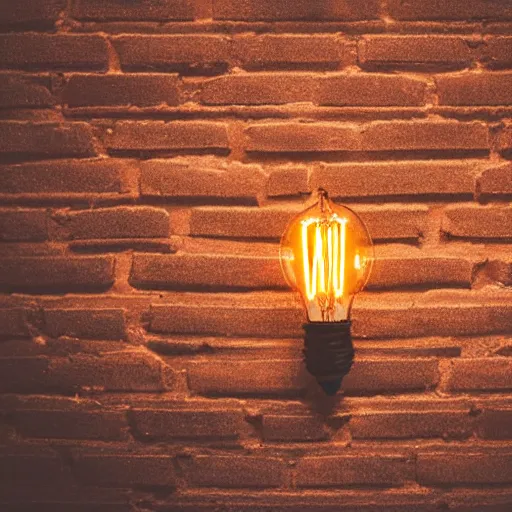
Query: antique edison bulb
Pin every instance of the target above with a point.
(326, 255)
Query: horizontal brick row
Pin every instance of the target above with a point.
(202, 420)
(383, 222)
(439, 313)
(394, 267)
(214, 53)
(390, 222)
(210, 179)
(253, 10)
(372, 376)
(264, 88)
(345, 468)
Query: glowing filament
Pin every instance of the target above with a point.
(325, 272)
(357, 262)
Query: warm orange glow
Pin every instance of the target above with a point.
(324, 274)
(326, 254)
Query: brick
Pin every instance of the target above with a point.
(43, 12)
(187, 424)
(203, 177)
(496, 180)
(281, 10)
(127, 90)
(374, 90)
(464, 468)
(414, 51)
(292, 51)
(343, 470)
(23, 374)
(159, 135)
(497, 52)
(57, 424)
(473, 221)
(67, 178)
(41, 465)
(246, 378)
(119, 222)
(294, 428)
(367, 179)
(53, 51)
(195, 53)
(500, 270)
(390, 222)
(204, 270)
(125, 469)
(104, 324)
(495, 423)
(410, 424)
(234, 471)
(24, 91)
(23, 225)
(46, 139)
(259, 89)
(13, 322)
(425, 135)
(403, 266)
(287, 180)
(226, 320)
(63, 273)
(492, 374)
(240, 222)
(115, 10)
(394, 222)
(456, 10)
(431, 319)
(385, 375)
(504, 140)
(293, 136)
(115, 371)
(475, 89)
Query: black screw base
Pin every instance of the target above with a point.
(328, 353)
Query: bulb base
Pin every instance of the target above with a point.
(328, 353)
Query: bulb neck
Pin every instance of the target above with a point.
(328, 353)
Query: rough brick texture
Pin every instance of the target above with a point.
(59, 51)
(152, 153)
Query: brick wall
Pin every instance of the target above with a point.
(152, 153)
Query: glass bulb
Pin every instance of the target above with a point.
(327, 254)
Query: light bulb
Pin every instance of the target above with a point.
(326, 255)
